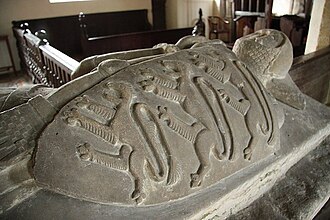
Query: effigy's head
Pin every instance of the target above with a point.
(268, 53)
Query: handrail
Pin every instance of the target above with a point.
(65, 60)
(58, 65)
(44, 63)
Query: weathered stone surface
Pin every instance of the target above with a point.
(189, 134)
(268, 54)
(222, 199)
(12, 97)
(300, 194)
(301, 132)
(159, 130)
(20, 127)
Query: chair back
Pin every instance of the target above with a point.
(217, 26)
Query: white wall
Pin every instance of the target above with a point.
(184, 13)
(172, 14)
(284, 7)
(29, 9)
(318, 34)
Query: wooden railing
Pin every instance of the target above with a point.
(57, 65)
(44, 63)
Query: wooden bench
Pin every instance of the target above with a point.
(65, 33)
(122, 33)
(130, 41)
(83, 35)
(72, 38)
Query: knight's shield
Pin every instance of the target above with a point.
(159, 130)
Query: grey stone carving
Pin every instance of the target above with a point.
(154, 129)
(23, 115)
(166, 126)
(268, 53)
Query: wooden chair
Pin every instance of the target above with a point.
(241, 13)
(295, 28)
(218, 26)
(246, 13)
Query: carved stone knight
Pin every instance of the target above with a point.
(156, 125)
(268, 54)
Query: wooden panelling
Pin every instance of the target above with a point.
(64, 33)
(311, 73)
(113, 23)
(122, 42)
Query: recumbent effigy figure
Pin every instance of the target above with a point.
(156, 125)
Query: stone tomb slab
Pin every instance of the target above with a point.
(159, 131)
(301, 133)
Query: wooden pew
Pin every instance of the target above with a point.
(64, 33)
(130, 41)
(113, 23)
(123, 33)
(89, 34)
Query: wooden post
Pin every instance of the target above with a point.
(268, 12)
(223, 12)
(158, 14)
(230, 17)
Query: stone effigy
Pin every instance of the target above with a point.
(268, 54)
(166, 125)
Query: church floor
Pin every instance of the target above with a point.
(14, 80)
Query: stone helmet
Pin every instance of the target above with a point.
(268, 53)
